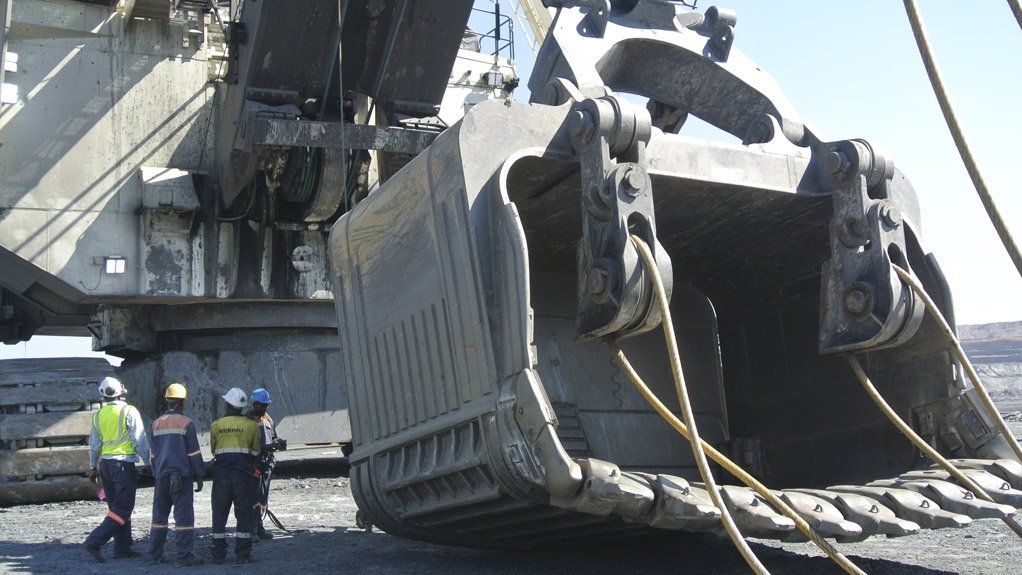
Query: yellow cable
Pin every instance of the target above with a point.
(686, 411)
(733, 467)
(699, 447)
(931, 307)
(907, 430)
(930, 452)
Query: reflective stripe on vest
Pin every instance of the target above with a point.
(224, 450)
(111, 423)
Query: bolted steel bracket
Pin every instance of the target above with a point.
(720, 23)
(597, 15)
(615, 295)
(864, 305)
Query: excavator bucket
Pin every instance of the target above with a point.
(477, 288)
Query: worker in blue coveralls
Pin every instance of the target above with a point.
(260, 399)
(234, 440)
(177, 466)
(118, 452)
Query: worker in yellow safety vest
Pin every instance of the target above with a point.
(235, 442)
(118, 452)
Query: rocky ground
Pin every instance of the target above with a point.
(316, 498)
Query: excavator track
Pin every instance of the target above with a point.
(46, 408)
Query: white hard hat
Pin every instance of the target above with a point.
(111, 387)
(236, 397)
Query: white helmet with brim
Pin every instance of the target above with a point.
(111, 387)
(236, 397)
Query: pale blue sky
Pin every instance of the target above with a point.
(852, 70)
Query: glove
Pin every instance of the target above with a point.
(144, 471)
(94, 476)
(198, 485)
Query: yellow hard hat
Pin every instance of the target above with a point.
(176, 391)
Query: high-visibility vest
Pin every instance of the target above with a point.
(111, 422)
(234, 434)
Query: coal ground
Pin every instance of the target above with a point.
(311, 494)
(314, 496)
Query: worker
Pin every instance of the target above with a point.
(234, 440)
(177, 466)
(270, 443)
(118, 452)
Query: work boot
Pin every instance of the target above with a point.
(95, 552)
(246, 558)
(263, 534)
(191, 561)
(129, 554)
(219, 559)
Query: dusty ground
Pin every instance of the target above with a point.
(47, 539)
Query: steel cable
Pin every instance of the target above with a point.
(1016, 9)
(923, 43)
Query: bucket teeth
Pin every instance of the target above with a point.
(608, 490)
(678, 505)
(952, 498)
(1007, 469)
(868, 513)
(998, 489)
(904, 505)
(752, 514)
(909, 505)
(820, 514)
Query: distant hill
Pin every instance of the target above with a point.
(1007, 329)
(995, 350)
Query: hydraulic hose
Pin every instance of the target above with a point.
(956, 346)
(923, 42)
(705, 448)
(686, 410)
(930, 452)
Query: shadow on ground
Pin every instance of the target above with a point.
(341, 551)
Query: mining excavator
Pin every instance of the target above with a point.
(499, 281)
(170, 170)
(500, 301)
